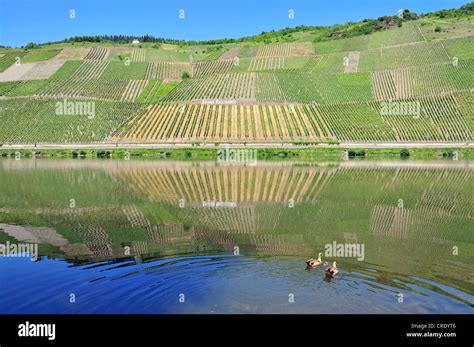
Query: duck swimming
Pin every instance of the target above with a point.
(332, 270)
(314, 262)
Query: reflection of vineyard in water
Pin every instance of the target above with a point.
(409, 217)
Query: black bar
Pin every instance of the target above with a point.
(88, 330)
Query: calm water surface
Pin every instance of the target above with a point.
(199, 237)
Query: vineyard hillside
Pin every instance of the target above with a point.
(406, 83)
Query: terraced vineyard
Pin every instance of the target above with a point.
(9, 59)
(267, 63)
(440, 119)
(295, 63)
(174, 122)
(303, 87)
(97, 53)
(138, 55)
(80, 88)
(212, 67)
(151, 92)
(41, 123)
(408, 55)
(90, 69)
(215, 87)
(21, 88)
(166, 70)
(423, 81)
(356, 122)
(133, 90)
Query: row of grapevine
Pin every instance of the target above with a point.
(276, 87)
(285, 50)
(97, 53)
(166, 70)
(268, 88)
(331, 63)
(133, 90)
(66, 70)
(212, 67)
(90, 69)
(293, 63)
(36, 121)
(445, 113)
(150, 93)
(459, 47)
(232, 86)
(91, 88)
(291, 87)
(9, 59)
(138, 55)
(409, 126)
(21, 88)
(416, 54)
(427, 80)
(355, 122)
(325, 88)
(274, 50)
(465, 103)
(384, 87)
(272, 63)
(189, 122)
(436, 118)
(8, 87)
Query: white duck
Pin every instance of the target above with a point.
(314, 262)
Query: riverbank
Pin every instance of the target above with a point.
(237, 153)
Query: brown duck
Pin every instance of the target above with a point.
(314, 262)
(332, 270)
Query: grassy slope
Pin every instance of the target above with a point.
(40, 55)
(122, 71)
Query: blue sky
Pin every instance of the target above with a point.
(23, 21)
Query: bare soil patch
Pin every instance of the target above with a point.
(353, 62)
(16, 72)
(72, 53)
(43, 70)
(230, 54)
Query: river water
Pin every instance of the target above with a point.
(151, 236)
